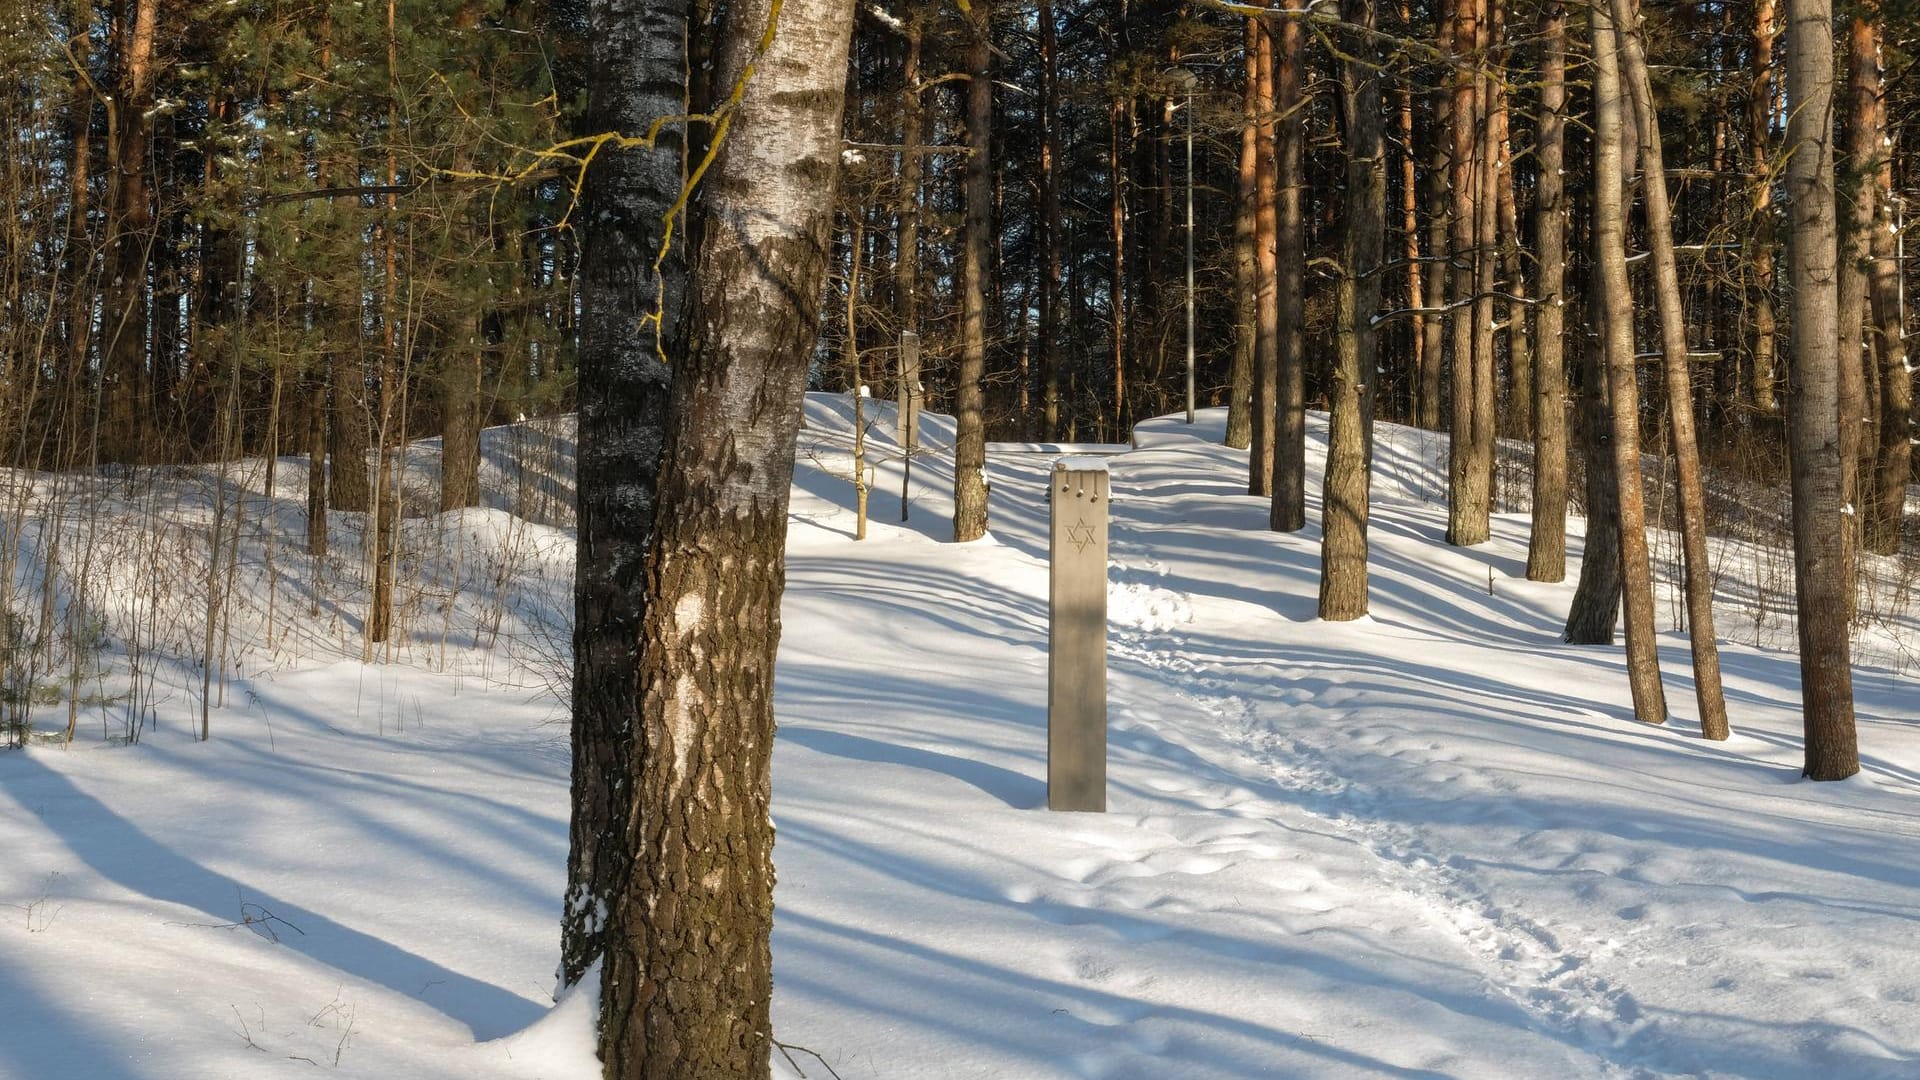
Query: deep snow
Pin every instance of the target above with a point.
(1432, 843)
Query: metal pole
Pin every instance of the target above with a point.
(1190, 250)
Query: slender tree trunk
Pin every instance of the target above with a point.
(1893, 463)
(1345, 494)
(1467, 507)
(1679, 379)
(1616, 331)
(1514, 267)
(906, 266)
(1050, 223)
(1240, 422)
(1289, 510)
(1822, 584)
(1410, 240)
(1760, 248)
(316, 467)
(1596, 599)
(1856, 212)
(1438, 196)
(970, 446)
(1547, 544)
(630, 327)
(1266, 338)
(461, 417)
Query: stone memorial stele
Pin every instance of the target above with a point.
(1077, 636)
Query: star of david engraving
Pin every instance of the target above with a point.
(1080, 534)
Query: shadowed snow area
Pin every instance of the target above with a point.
(1431, 843)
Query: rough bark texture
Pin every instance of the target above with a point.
(348, 488)
(1467, 505)
(1855, 210)
(1822, 586)
(1679, 380)
(1547, 543)
(1616, 332)
(317, 471)
(1289, 509)
(688, 974)
(1245, 283)
(461, 416)
(638, 74)
(1596, 599)
(970, 433)
(1893, 461)
(123, 305)
(1345, 493)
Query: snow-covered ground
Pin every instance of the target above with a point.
(1429, 844)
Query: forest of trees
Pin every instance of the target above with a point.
(1596, 235)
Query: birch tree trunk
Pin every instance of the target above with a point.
(1822, 582)
(688, 976)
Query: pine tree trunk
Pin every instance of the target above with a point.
(123, 306)
(316, 467)
(1679, 380)
(1822, 584)
(630, 323)
(1514, 269)
(1467, 522)
(1596, 599)
(970, 438)
(1289, 509)
(460, 429)
(1117, 281)
(1547, 543)
(1240, 395)
(1050, 224)
(1266, 338)
(1345, 494)
(1616, 332)
(1760, 249)
(1438, 196)
(688, 978)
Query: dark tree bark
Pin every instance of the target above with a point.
(1051, 225)
(1240, 422)
(1822, 584)
(128, 411)
(970, 433)
(1616, 333)
(1289, 510)
(461, 418)
(1345, 492)
(1547, 543)
(630, 327)
(316, 467)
